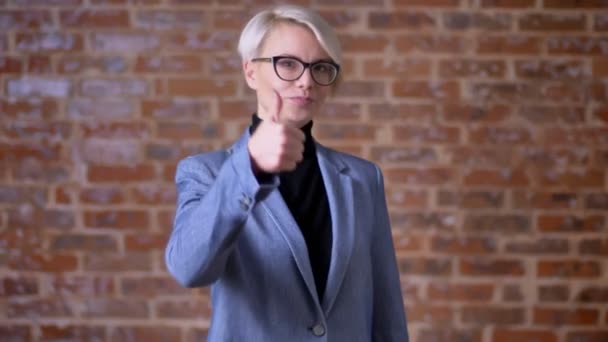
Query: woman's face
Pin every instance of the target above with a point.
(301, 99)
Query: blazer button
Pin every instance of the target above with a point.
(245, 202)
(318, 330)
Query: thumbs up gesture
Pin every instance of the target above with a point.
(276, 147)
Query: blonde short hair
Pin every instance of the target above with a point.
(256, 30)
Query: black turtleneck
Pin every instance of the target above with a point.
(305, 195)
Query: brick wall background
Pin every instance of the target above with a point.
(488, 117)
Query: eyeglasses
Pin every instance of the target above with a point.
(291, 68)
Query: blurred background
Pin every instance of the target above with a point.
(489, 119)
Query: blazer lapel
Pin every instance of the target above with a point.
(340, 197)
(279, 212)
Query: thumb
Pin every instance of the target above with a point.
(278, 105)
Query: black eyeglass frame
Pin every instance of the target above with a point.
(275, 59)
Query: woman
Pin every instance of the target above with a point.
(293, 237)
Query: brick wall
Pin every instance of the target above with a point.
(488, 117)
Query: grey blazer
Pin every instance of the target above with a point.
(239, 236)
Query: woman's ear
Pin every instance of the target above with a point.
(250, 76)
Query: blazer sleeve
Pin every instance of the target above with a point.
(389, 322)
(212, 208)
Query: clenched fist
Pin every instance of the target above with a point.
(275, 147)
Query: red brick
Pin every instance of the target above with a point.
(424, 220)
(33, 87)
(491, 267)
(189, 131)
(146, 242)
(80, 285)
(587, 336)
(460, 292)
(75, 64)
(560, 317)
(509, 44)
(463, 245)
(593, 247)
(472, 68)
(38, 131)
(87, 109)
(592, 294)
(115, 130)
(21, 238)
(219, 41)
(574, 4)
(408, 243)
(512, 293)
(115, 308)
(450, 334)
(538, 246)
(503, 177)
(600, 22)
(346, 132)
(151, 286)
(102, 195)
(497, 156)
(508, 3)
(527, 335)
(114, 262)
(82, 242)
(25, 19)
(17, 331)
(43, 262)
(341, 19)
(369, 43)
(186, 64)
(201, 87)
(185, 309)
(397, 155)
(471, 199)
(397, 68)
(477, 21)
(426, 90)
(545, 200)
(29, 3)
(553, 293)
(400, 20)
(41, 308)
(577, 45)
(28, 109)
(145, 333)
(361, 89)
(425, 266)
(61, 219)
(98, 18)
(135, 173)
(235, 19)
(37, 64)
(72, 332)
(418, 176)
(549, 115)
(426, 135)
(427, 3)
(21, 286)
(568, 269)
(157, 19)
(573, 180)
(125, 42)
(546, 70)
(196, 334)
(183, 109)
(467, 113)
(49, 42)
(552, 22)
(335, 111)
(432, 43)
(10, 65)
(435, 315)
(121, 219)
(489, 315)
(577, 136)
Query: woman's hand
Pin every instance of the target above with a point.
(275, 147)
